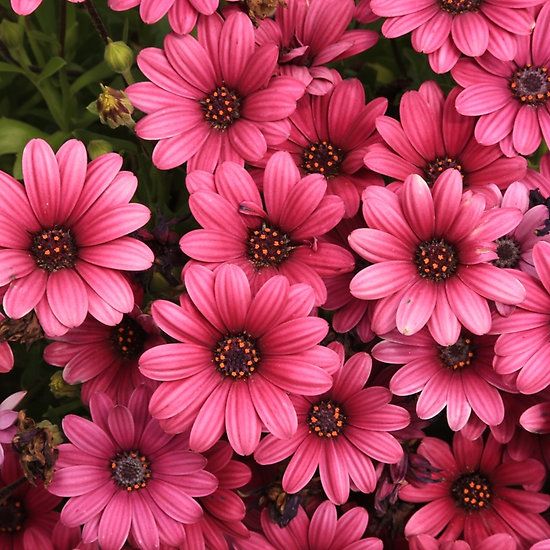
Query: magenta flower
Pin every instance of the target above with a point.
(26, 7)
(8, 418)
(238, 357)
(125, 476)
(459, 377)
(431, 254)
(213, 99)
(6, 355)
(444, 29)
(310, 34)
(540, 180)
(524, 344)
(510, 98)
(474, 496)
(276, 234)
(364, 13)
(431, 137)
(63, 237)
(339, 432)
(502, 541)
(105, 358)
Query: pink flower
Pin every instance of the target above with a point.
(459, 376)
(63, 237)
(502, 541)
(431, 253)
(125, 476)
(364, 13)
(6, 355)
(340, 432)
(238, 357)
(524, 344)
(510, 97)
(311, 34)
(213, 99)
(474, 496)
(431, 137)
(540, 180)
(446, 28)
(105, 358)
(276, 234)
(8, 417)
(26, 7)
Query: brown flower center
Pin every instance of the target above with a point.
(268, 246)
(472, 492)
(322, 158)
(436, 260)
(237, 355)
(130, 470)
(221, 108)
(326, 419)
(509, 252)
(458, 355)
(54, 249)
(434, 169)
(128, 338)
(456, 7)
(12, 515)
(531, 85)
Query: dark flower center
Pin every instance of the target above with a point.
(456, 7)
(326, 419)
(509, 252)
(434, 169)
(130, 470)
(221, 108)
(472, 492)
(322, 158)
(459, 355)
(531, 85)
(128, 338)
(54, 249)
(268, 246)
(12, 515)
(436, 260)
(237, 355)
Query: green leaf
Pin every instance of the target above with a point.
(52, 66)
(94, 76)
(9, 68)
(15, 134)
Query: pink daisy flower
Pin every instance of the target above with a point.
(213, 98)
(238, 356)
(8, 417)
(26, 7)
(431, 137)
(63, 237)
(524, 344)
(459, 377)
(479, 495)
(276, 234)
(139, 481)
(6, 355)
(511, 98)
(27, 515)
(431, 253)
(340, 432)
(502, 541)
(105, 358)
(311, 34)
(540, 180)
(445, 29)
(364, 13)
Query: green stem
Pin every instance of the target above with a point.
(62, 27)
(97, 21)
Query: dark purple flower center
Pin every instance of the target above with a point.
(237, 355)
(458, 355)
(436, 260)
(221, 107)
(326, 419)
(268, 246)
(531, 85)
(54, 249)
(128, 338)
(434, 169)
(456, 7)
(12, 515)
(472, 492)
(130, 470)
(322, 158)
(509, 252)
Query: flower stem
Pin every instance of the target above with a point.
(97, 21)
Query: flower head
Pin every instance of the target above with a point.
(8, 419)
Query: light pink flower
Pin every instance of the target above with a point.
(238, 356)
(511, 98)
(277, 233)
(446, 28)
(431, 252)
(26, 7)
(125, 476)
(431, 137)
(213, 98)
(474, 496)
(8, 417)
(312, 33)
(340, 432)
(63, 237)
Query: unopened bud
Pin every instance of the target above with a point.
(118, 56)
(60, 388)
(11, 34)
(113, 108)
(98, 147)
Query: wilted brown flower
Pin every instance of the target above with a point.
(113, 108)
(26, 330)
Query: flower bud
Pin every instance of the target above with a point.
(113, 108)
(11, 34)
(60, 388)
(118, 56)
(98, 147)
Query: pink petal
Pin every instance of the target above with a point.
(67, 297)
(241, 421)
